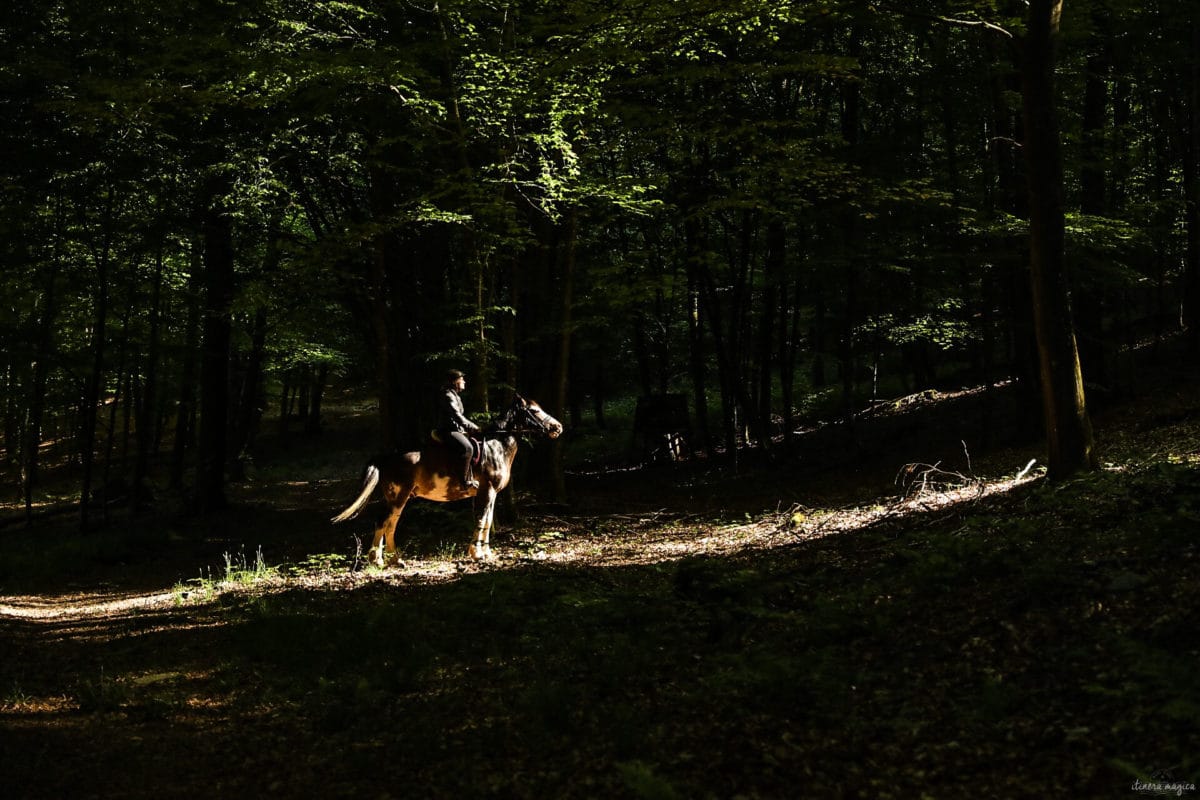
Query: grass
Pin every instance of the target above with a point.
(241, 573)
(16, 697)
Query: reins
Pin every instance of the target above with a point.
(532, 423)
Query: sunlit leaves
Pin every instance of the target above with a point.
(947, 327)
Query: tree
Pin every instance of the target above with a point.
(1064, 407)
(731, 200)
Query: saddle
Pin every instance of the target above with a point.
(476, 445)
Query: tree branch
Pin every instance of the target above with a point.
(961, 23)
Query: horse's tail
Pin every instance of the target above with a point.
(370, 481)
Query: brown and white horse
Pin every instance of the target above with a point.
(434, 474)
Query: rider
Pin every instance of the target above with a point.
(453, 425)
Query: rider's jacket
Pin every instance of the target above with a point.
(450, 414)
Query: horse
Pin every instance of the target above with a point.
(434, 472)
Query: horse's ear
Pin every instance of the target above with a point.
(517, 396)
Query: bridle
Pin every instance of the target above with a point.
(532, 423)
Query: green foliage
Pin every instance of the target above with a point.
(732, 197)
(238, 573)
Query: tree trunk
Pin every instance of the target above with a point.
(726, 323)
(120, 400)
(250, 397)
(385, 370)
(789, 347)
(1068, 428)
(695, 325)
(851, 130)
(768, 333)
(185, 413)
(312, 423)
(91, 396)
(1089, 296)
(14, 441)
(37, 391)
(1009, 196)
(562, 362)
(147, 410)
(817, 337)
(641, 352)
(214, 355)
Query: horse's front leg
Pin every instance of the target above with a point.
(485, 504)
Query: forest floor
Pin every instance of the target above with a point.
(885, 615)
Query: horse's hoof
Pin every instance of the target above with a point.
(480, 553)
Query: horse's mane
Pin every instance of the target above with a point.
(500, 425)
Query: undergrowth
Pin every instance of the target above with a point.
(238, 572)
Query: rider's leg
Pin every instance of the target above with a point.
(465, 451)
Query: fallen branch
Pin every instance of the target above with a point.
(919, 480)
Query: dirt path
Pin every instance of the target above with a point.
(81, 605)
(614, 540)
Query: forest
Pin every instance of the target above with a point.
(861, 318)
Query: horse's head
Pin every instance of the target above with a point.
(526, 415)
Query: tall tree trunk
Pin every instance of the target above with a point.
(14, 442)
(768, 332)
(641, 352)
(384, 368)
(851, 130)
(251, 400)
(698, 367)
(817, 336)
(711, 306)
(562, 361)
(30, 440)
(697, 362)
(726, 323)
(214, 355)
(250, 397)
(92, 390)
(1068, 428)
(847, 349)
(37, 389)
(388, 319)
(1089, 295)
(120, 400)
(147, 409)
(185, 409)
(312, 423)
(789, 348)
(1009, 196)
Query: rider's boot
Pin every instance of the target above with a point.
(468, 480)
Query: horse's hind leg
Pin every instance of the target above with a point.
(385, 531)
